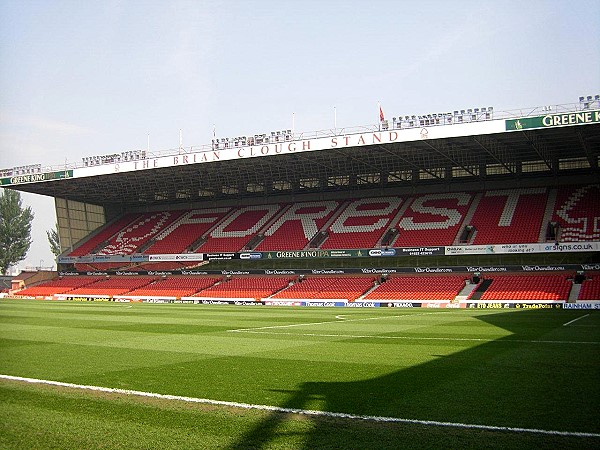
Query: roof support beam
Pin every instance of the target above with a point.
(498, 151)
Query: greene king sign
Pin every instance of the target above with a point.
(36, 177)
(553, 120)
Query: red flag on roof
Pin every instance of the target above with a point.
(381, 117)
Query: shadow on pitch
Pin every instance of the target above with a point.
(501, 382)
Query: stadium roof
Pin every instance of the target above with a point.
(396, 154)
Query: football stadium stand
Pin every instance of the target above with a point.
(491, 207)
(496, 216)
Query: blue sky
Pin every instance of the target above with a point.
(96, 77)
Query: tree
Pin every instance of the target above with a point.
(15, 229)
(54, 240)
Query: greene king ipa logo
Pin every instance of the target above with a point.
(553, 120)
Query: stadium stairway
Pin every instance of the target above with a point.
(550, 206)
(322, 235)
(574, 294)
(391, 227)
(371, 289)
(480, 289)
(467, 220)
(465, 292)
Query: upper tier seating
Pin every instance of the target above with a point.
(418, 288)
(186, 230)
(520, 287)
(297, 226)
(577, 213)
(432, 219)
(233, 233)
(59, 286)
(498, 217)
(509, 216)
(362, 223)
(349, 288)
(246, 287)
(138, 232)
(103, 235)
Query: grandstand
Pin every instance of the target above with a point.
(462, 211)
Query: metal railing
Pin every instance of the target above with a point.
(402, 123)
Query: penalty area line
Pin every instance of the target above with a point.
(306, 412)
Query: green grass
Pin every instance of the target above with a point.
(515, 368)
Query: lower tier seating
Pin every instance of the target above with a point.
(246, 287)
(349, 288)
(59, 286)
(590, 288)
(114, 285)
(520, 287)
(418, 288)
(175, 287)
(501, 287)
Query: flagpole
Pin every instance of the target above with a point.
(334, 118)
(379, 115)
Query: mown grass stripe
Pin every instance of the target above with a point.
(415, 338)
(305, 412)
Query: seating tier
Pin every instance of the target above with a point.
(509, 216)
(578, 213)
(418, 288)
(349, 288)
(518, 287)
(432, 220)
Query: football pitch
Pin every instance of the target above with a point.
(120, 375)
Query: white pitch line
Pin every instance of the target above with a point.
(306, 412)
(327, 322)
(417, 338)
(574, 320)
